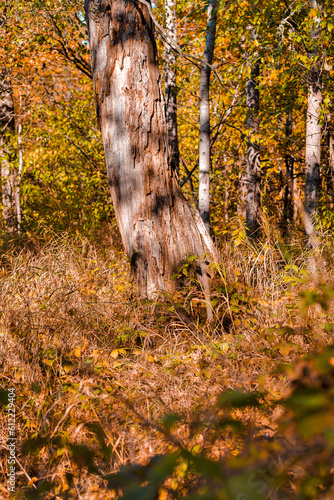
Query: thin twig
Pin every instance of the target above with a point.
(175, 46)
(146, 422)
(81, 151)
(63, 417)
(22, 468)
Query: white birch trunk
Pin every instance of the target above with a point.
(19, 175)
(254, 173)
(170, 84)
(8, 173)
(331, 150)
(288, 211)
(313, 139)
(331, 156)
(204, 116)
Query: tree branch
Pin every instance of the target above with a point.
(175, 46)
(67, 51)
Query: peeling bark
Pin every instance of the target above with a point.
(242, 189)
(170, 85)
(156, 223)
(8, 172)
(204, 117)
(254, 173)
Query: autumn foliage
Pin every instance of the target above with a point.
(122, 397)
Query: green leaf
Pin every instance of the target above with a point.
(96, 428)
(3, 397)
(238, 399)
(130, 479)
(83, 457)
(170, 420)
(246, 486)
(202, 465)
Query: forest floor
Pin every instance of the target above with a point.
(103, 379)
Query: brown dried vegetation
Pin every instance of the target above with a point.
(96, 370)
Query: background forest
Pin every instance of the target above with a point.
(118, 396)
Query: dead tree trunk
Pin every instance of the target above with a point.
(170, 84)
(204, 116)
(313, 139)
(157, 225)
(8, 172)
(253, 152)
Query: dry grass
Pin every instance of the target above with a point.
(81, 349)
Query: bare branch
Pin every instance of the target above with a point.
(67, 51)
(175, 46)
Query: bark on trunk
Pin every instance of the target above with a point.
(242, 189)
(312, 153)
(288, 211)
(170, 85)
(19, 175)
(253, 153)
(8, 172)
(313, 141)
(204, 117)
(330, 182)
(331, 148)
(156, 223)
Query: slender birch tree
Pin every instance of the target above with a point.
(204, 116)
(158, 227)
(8, 173)
(331, 153)
(19, 173)
(253, 151)
(170, 84)
(288, 210)
(313, 133)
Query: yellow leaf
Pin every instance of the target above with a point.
(206, 372)
(77, 352)
(196, 448)
(164, 494)
(285, 349)
(48, 362)
(274, 75)
(32, 481)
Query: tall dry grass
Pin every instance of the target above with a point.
(81, 350)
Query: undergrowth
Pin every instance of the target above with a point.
(117, 396)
